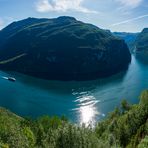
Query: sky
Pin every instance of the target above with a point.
(115, 15)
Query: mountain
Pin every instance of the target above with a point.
(62, 49)
(142, 40)
(128, 37)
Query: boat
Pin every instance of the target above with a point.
(11, 79)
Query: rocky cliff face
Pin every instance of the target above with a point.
(62, 49)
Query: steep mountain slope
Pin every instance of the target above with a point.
(61, 48)
(142, 40)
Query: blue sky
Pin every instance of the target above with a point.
(116, 15)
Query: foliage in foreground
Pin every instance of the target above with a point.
(127, 127)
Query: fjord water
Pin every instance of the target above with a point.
(82, 102)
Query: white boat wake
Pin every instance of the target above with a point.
(9, 78)
(6, 78)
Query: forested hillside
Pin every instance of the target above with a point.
(126, 126)
(61, 49)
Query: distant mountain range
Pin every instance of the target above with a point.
(62, 49)
(129, 38)
(135, 41)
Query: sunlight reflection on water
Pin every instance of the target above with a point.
(87, 114)
(87, 109)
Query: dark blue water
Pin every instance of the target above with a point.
(82, 102)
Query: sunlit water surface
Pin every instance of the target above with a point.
(82, 102)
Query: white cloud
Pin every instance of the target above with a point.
(130, 20)
(62, 6)
(130, 3)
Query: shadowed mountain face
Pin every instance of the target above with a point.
(142, 40)
(61, 49)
